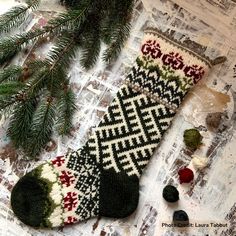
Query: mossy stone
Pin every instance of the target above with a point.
(192, 138)
(170, 193)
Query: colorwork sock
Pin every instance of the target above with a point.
(102, 178)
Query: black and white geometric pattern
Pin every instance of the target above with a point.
(166, 89)
(87, 182)
(129, 132)
(126, 137)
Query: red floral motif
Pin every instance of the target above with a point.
(153, 48)
(58, 161)
(70, 201)
(67, 178)
(70, 220)
(174, 60)
(194, 71)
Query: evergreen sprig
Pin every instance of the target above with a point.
(66, 108)
(10, 88)
(16, 16)
(38, 95)
(11, 72)
(9, 46)
(41, 127)
(20, 122)
(122, 11)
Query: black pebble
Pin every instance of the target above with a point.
(180, 218)
(170, 193)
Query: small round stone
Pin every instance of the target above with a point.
(180, 218)
(170, 193)
(185, 175)
(192, 138)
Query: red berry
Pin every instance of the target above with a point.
(185, 175)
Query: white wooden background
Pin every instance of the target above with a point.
(211, 197)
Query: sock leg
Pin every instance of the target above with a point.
(102, 178)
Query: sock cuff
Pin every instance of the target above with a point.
(159, 50)
(166, 69)
(193, 49)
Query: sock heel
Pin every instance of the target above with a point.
(119, 194)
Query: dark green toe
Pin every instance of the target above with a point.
(29, 200)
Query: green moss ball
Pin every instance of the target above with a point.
(170, 193)
(192, 138)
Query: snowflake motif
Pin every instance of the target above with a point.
(70, 220)
(70, 201)
(67, 178)
(58, 161)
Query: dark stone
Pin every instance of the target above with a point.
(180, 218)
(170, 193)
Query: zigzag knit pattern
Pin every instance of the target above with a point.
(129, 132)
(102, 178)
(152, 81)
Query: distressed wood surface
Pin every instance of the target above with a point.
(211, 196)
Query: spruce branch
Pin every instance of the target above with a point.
(12, 18)
(36, 83)
(69, 3)
(41, 127)
(118, 13)
(61, 54)
(50, 74)
(33, 4)
(90, 40)
(16, 16)
(69, 20)
(65, 110)
(46, 99)
(19, 126)
(11, 45)
(116, 29)
(90, 52)
(10, 73)
(10, 88)
(7, 103)
(118, 39)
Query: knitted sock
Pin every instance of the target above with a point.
(102, 178)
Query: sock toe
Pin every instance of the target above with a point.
(29, 200)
